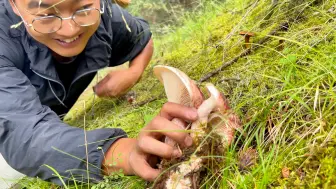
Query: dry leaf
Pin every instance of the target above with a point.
(285, 172)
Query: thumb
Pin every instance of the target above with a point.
(101, 88)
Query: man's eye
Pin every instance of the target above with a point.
(44, 15)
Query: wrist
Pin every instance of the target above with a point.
(136, 74)
(136, 70)
(117, 157)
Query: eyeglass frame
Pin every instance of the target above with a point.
(61, 18)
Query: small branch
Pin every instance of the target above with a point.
(149, 100)
(86, 148)
(229, 79)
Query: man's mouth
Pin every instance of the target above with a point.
(69, 40)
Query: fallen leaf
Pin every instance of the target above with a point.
(285, 172)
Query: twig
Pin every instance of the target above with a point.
(149, 100)
(229, 79)
(86, 148)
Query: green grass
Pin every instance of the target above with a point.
(285, 99)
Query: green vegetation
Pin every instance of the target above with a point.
(284, 93)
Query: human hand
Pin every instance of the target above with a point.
(139, 156)
(123, 3)
(117, 83)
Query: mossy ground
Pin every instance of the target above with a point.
(285, 98)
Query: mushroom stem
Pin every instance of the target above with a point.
(247, 41)
(204, 111)
(247, 36)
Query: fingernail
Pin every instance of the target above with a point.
(188, 141)
(177, 153)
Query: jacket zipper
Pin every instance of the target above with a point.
(65, 94)
(52, 90)
(49, 79)
(82, 75)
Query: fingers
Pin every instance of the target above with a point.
(143, 169)
(173, 110)
(101, 88)
(180, 123)
(158, 148)
(160, 126)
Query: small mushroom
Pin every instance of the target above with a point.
(247, 35)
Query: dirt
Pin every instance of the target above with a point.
(210, 146)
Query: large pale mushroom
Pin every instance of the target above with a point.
(179, 89)
(214, 115)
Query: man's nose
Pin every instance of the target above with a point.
(68, 28)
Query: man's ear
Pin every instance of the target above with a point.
(13, 7)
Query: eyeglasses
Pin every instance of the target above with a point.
(53, 23)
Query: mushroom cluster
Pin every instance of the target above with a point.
(216, 125)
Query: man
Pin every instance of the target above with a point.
(47, 62)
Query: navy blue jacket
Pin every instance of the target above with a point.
(32, 96)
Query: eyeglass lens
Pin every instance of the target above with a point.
(50, 24)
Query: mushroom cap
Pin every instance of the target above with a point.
(178, 86)
(247, 33)
(223, 127)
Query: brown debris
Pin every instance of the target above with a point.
(247, 159)
(301, 173)
(130, 97)
(281, 45)
(285, 172)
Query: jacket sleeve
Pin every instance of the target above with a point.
(130, 35)
(32, 135)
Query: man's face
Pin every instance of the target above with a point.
(71, 39)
